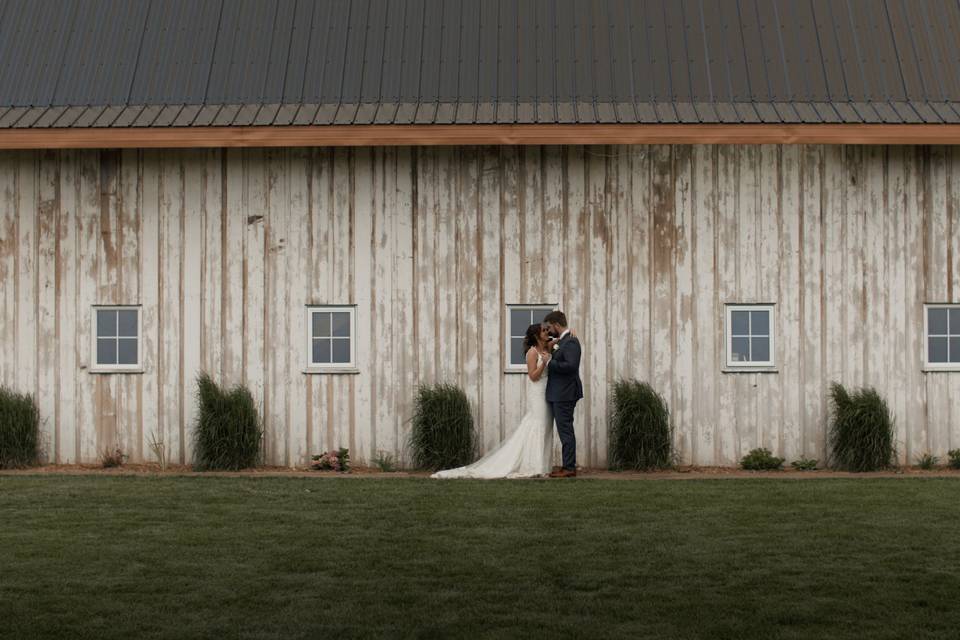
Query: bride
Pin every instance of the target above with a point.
(527, 452)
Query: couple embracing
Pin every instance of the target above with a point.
(553, 388)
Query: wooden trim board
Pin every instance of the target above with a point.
(492, 134)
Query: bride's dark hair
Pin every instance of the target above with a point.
(530, 340)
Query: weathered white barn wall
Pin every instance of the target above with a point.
(641, 246)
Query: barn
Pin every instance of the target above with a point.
(333, 202)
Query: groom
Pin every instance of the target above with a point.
(564, 389)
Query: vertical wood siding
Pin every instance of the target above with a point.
(641, 246)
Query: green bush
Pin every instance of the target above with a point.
(804, 464)
(954, 462)
(228, 433)
(640, 435)
(761, 460)
(927, 461)
(861, 431)
(19, 430)
(442, 434)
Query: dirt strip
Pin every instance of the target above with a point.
(680, 473)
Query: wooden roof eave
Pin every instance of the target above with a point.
(475, 134)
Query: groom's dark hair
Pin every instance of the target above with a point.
(556, 317)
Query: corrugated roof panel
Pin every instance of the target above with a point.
(450, 43)
(147, 116)
(187, 116)
(508, 55)
(50, 116)
(89, 117)
(354, 66)
(772, 26)
(327, 88)
(831, 56)
(283, 37)
(943, 27)
(526, 55)
(409, 91)
(298, 53)
(31, 116)
(168, 115)
(621, 58)
(802, 51)
(377, 31)
(69, 117)
(100, 60)
(566, 78)
(654, 68)
(705, 14)
(676, 51)
(468, 78)
(601, 52)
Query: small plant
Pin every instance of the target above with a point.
(19, 430)
(861, 430)
(804, 464)
(228, 433)
(954, 462)
(761, 460)
(927, 461)
(111, 458)
(442, 434)
(159, 448)
(385, 462)
(333, 460)
(640, 435)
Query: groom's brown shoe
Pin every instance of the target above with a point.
(564, 473)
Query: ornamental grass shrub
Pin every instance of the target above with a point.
(443, 435)
(19, 430)
(228, 432)
(861, 430)
(640, 434)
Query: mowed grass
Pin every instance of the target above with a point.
(216, 557)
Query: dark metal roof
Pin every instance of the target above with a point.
(143, 63)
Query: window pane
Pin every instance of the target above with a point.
(937, 322)
(540, 314)
(321, 351)
(740, 323)
(340, 321)
(938, 350)
(127, 323)
(107, 350)
(321, 324)
(516, 351)
(107, 323)
(519, 321)
(955, 322)
(759, 325)
(741, 350)
(761, 350)
(127, 351)
(955, 350)
(341, 351)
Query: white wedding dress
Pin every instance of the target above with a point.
(528, 450)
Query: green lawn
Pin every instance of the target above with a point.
(215, 557)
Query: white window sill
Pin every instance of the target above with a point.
(951, 369)
(523, 370)
(102, 371)
(313, 371)
(749, 370)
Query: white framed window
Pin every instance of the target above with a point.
(115, 339)
(331, 338)
(750, 337)
(519, 317)
(941, 328)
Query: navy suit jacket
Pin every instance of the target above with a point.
(563, 380)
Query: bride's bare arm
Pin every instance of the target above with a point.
(533, 370)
